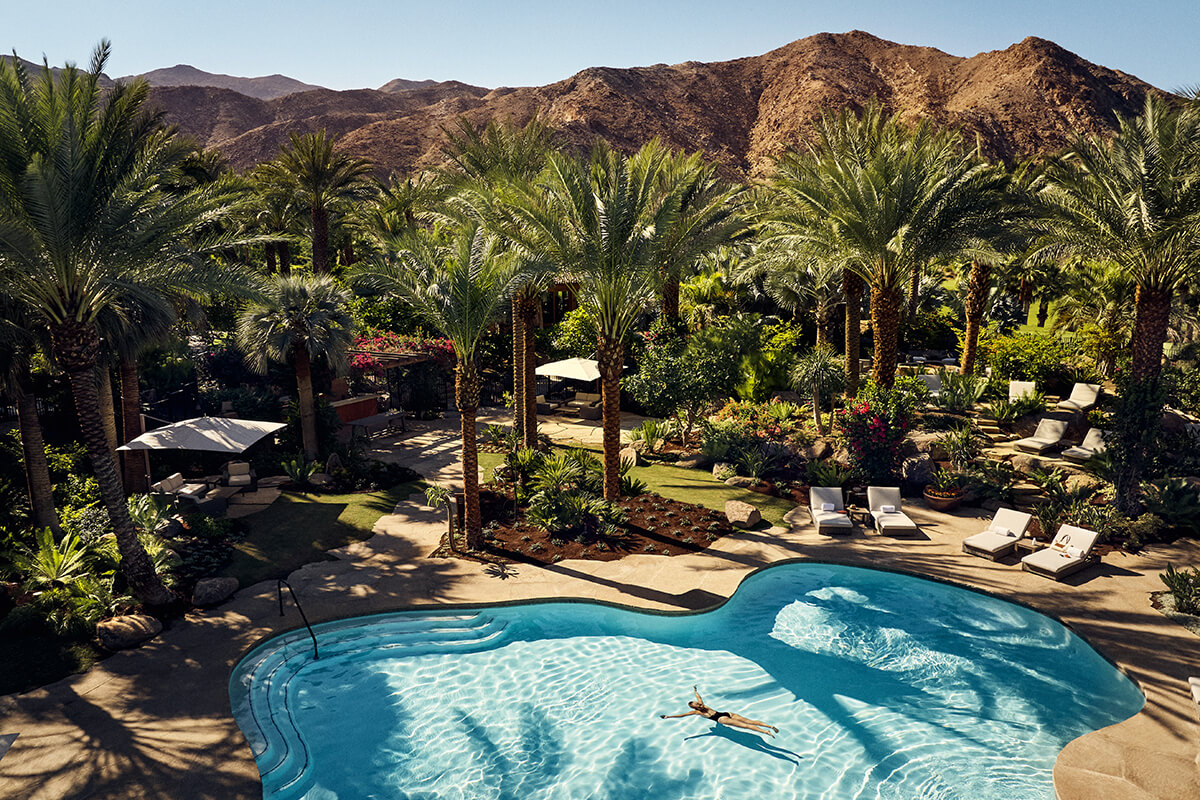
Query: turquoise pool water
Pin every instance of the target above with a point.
(883, 686)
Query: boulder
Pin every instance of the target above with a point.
(842, 457)
(741, 515)
(121, 633)
(930, 443)
(321, 479)
(631, 456)
(918, 470)
(693, 461)
(740, 481)
(816, 451)
(722, 468)
(333, 464)
(1024, 462)
(991, 504)
(210, 591)
(1082, 481)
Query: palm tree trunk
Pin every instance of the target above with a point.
(285, 258)
(670, 297)
(914, 288)
(131, 425)
(974, 300)
(822, 326)
(269, 247)
(108, 408)
(308, 413)
(466, 397)
(885, 321)
(529, 301)
(76, 348)
(33, 445)
(1153, 312)
(518, 367)
(1043, 312)
(610, 354)
(852, 288)
(320, 241)
(816, 404)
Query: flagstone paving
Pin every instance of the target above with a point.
(155, 722)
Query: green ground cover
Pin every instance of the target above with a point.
(688, 486)
(299, 528)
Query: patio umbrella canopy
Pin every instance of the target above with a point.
(576, 369)
(214, 434)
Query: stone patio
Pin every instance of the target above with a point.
(155, 722)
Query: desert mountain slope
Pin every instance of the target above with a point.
(266, 87)
(1029, 98)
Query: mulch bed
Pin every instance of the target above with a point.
(656, 525)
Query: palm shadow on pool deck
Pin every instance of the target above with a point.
(750, 741)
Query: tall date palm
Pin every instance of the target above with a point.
(84, 222)
(459, 280)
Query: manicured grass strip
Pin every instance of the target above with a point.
(298, 528)
(700, 487)
(688, 485)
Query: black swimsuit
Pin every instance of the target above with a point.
(716, 717)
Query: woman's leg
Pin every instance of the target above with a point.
(740, 718)
(733, 723)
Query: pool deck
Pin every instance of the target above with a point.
(155, 722)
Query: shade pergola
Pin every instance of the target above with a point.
(213, 434)
(575, 369)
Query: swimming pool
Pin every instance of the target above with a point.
(883, 686)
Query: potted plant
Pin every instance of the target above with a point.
(946, 491)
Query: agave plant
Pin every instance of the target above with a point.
(49, 565)
(299, 470)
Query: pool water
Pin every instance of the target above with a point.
(882, 685)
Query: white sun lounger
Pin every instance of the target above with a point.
(1070, 552)
(933, 382)
(828, 511)
(1083, 397)
(1018, 389)
(1092, 444)
(1049, 433)
(1008, 526)
(884, 502)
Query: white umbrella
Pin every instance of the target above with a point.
(576, 369)
(215, 434)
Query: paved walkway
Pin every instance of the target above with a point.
(155, 722)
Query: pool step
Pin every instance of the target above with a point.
(279, 749)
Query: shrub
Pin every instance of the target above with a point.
(962, 446)
(1184, 586)
(299, 470)
(1176, 501)
(873, 428)
(827, 473)
(575, 335)
(959, 392)
(724, 471)
(1037, 357)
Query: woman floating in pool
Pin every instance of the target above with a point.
(722, 717)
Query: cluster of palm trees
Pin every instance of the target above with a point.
(110, 225)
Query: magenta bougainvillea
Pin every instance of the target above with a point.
(873, 431)
(376, 341)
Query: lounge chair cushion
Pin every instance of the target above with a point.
(239, 480)
(831, 519)
(1049, 432)
(1083, 396)
(1051, 560)
(193, 490)
(893, 521)
(991, 542)
(238, 468)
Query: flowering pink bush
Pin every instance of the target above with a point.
(378, 341)
(873, 429)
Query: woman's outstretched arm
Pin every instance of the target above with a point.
(677, 716)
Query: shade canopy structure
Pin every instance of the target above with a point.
(575, 369)
(214, 434)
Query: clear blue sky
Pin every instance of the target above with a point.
(345, 44)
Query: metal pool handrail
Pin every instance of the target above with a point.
(282, 583)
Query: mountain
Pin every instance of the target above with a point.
(1029, 98)
(266, 87)
(401, 85)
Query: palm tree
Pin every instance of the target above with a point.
(1134, 200)
(482, 159)
(17, 347)
(817, 371)
(595, 221)
(798, 284)
(703, 213)
(301, 318)
(1098, 301)
(459, 281)
(84, 222)
(320, 178)
(885, 201)
(276, 214)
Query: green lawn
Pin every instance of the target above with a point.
(689, 486)
(299, 528)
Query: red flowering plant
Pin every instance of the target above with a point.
(872, 428)
(373, 342)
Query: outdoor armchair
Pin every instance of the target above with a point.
(1007, 527)
(238, 473)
